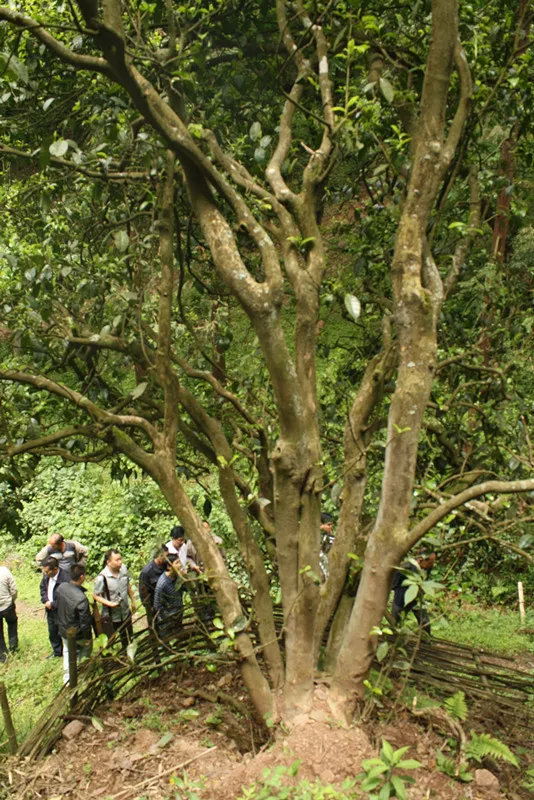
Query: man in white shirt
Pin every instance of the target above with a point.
(8, 595)
(176, 541)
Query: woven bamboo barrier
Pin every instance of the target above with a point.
(111, 674)
(438, 666)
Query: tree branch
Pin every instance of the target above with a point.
(502, 487)
(63, 162)
(65, 54)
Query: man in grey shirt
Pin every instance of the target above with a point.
(113, 590)
(8, 595)
(66, 551)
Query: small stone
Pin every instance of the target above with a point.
(327, 776)
(73, 729)
(486, 779)
(187, 702)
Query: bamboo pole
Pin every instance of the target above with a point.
(8, 720)
(521, 600)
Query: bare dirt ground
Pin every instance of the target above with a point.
(188, 734)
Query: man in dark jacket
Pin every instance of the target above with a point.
(73, 611)
(423, 562)
(168, 599)
(52, 578)
(148, 579)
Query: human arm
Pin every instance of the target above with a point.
(132, 598)
(43, 589)
(144, 589)
(84, 618)
(98, 590)
(42, 554)
(192, 558)
(12, 586)
(81, 552)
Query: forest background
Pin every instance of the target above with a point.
(278, 257)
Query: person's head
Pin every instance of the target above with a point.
(177, 536)
(327, 523)
(172, 565)
(160, 554)
(426, 559)
(57, 542)
(206, 525)
(77, 574)
(113, 560)
(50, 567)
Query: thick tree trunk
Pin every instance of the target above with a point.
(417, 296)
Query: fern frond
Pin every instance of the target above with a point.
(456, 706)
(446, 765)
(481, 745)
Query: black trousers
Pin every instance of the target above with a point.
(10, 616)
(125, 632)
(420, 614)
(53, 633)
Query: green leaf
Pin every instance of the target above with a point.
(377, 770)
(121, 240)
(131, 650)
(382, 651)
(165, 739)
(411, 593)
(48, 103)
(239, 624)
(368, 763)
(409, 763)
(387, 751)
(456, 706)
(255, 131)
(398, 785)
(97, 724)
(385, 791)
(353, 306)
(387, 89)
(59, 148)
(139, 390)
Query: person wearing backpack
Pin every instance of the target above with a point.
(66, 551)
(112, 589)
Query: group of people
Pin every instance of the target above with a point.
(161, 585)
(162, 582)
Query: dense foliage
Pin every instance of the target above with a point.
(284, 248)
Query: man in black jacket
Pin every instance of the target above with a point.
(148, 580)
(73, 611)
(422, 564)
(52, 578)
